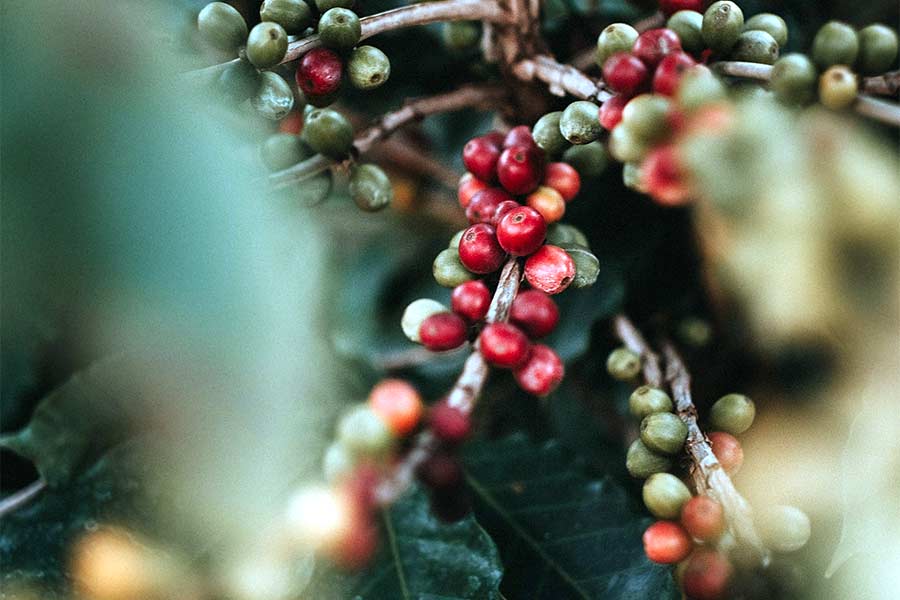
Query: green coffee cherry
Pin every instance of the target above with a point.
(274, 98)
(239, 81)
(618, 37)
(664, 495)
(448, 270)
(325, 5)
(877, 49)
(547, 135)
(647, 400)
(688, 24)
(580, 122)
(784, 528)
(793, 79)
(838, 87)
(698, 87)
(293, 15)
(283, 150)
(416, 313)
(337, 463)
(626, 146)
(633, 177)
(771, 24)
(314, 190)
(368, 67)
(460, 36)
(647, 116)
(623, 364)
(363, 433)
(835, 43)
(587, 267)
(328, 132)
(266, 44)
(722, 25)
(756, 47)
(222, 26)
(589, 160)
(454, 241)
(339, 28)
(664, 433)
(732, 414)
(642, 462)
(370, 188)
(559, 234)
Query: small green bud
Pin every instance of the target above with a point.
(647, 400)
(623, 364)
(733, 414)
(664, 495)
(664, 433)
(642, 462)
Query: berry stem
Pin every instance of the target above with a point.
(634, 341)
(19, 499)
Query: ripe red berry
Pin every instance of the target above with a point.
(668, 73)
(496, 138)
(504, 345)
(706, 575)
(441, 472)
(484, 205)
(519, 135)
(542, 372)
(449, 424)
(356, 546)
(550, 269)
(359, 490)
(479, 250)
(480, 157)
(654, 44)
(319, 72)
(663, 178)
(667, 542)
(703, 518)
(503, 208)
(292, 123)
(471, 300)
(563, 178)
(521, 168)
(443, 331)
(521, 231)
(624, 73)
(469, 185)
(535, 313)
(670, 7)
(611, 111)
(398, 404)
(728, 450)
(548, 202)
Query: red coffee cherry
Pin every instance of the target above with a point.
(293, 123)
(521, 168)
(670, 7)
(479, 250)
(706, 575)
(356, 546)
(563, 178)
(449, 424)
(654, 44)
(441, 472)
(319, 72)
(625, 73)
(535, 313)
(504, 345)
(668, 73)
(398, 404)
(519, 135)
(728, 450)
(484, 205)
(611, 110)
(663, 178)
(667, 542)
(703, 518)
(542, 372)
(496, 138)
(471, 300)
(480, 157)
(548, 202)
(550, 269)
(503, 208)
(443, 331)
(521, 231)
(359, 489)
(469, 185)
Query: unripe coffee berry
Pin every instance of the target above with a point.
(728, 451)
(654, 44)
(703, 518)
(589, 160)
(328, 132)
(835, 43)
(368, 68)
(339, 28)
(541, 373)
(548, 203)
(707, 575)
(370, 187)
(668, 73)
(448, 270)
(266, 44)
(580, 122)
(648, 400)
(688, 26)
(319, 72)
(666, 542)
(664, 495)
(518, 135)
(504, 345)
(625, 145)
(615, 38)
(520, 168)
(550, 269)
(838, 87)
(443, 331)
(521, 231)
(484, 204)
(363, 432)
(771, 24)
(722, 25)
(878, 46)
(642, 462)
(733, 414)
(449, 424)
(469, 185)
(625, 73)
(784, 528)
(480, 157)
(563, 178)
(664, 433)
(647, 116)
(294, 15)
(222, 26)
(479, 250)
(471, 300)
(398, 404)
(535, 313)
(755, 46)
(416, 313)
(793, 79)
(623, 364)
(547, 136)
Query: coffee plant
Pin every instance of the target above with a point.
(624, 326)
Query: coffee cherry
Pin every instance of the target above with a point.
(450, 425)
(368, 67)
(448, 270)
(728, 450)
(755, 46)
(633, 177)
(541, 373)
(454, 241)
(699, 87)
(274, 98)
(625, 145)
(623, 364)
(370, 188)
(642, 462)
(835, 43)
(416, 313)
(877, 49)
(520, 168)
(469, 185)
(655, 44)
(339, 28)
(625, 73)
(647, 116)
(521, 231)
(771, 24)
(732, 414)
(784, 528)
(722, 25)
(504, 345)
(443, 331)
(337, 463)
(668, 73)
(520, 135)
(471, 300)
(480, 157)
(664, 433)
(589, 160)
(548, 202)
(547, 136)
(663, 177)
(707, 575)
(648, 400)
(503, 208)
(484, 204)
(325, 5)
(319, 73)
(328, 132)
(618, 37)
(293, 15)
(550, 269)
(580, 122)
(610, 113)
(398, 404)
(479, 250)
(282, 150)
(535, 313)
(670, 7)
(703, 518)
(292, 123)
(441, 472)
(664, 495)
(688, 26)
(666, 542)
(563, 178)
(266, 44)
(363, 432)
(587, 266)
(793, 79)
(222, 26)
(838, 87)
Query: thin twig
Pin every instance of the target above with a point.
(412, 357)
(561, 79)
(882, 85)
(880, 110)
(19, 499)
(653, 21)
(634, 341)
